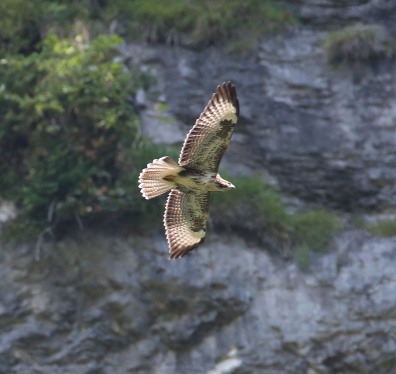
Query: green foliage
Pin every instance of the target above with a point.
(69, 139)
(303, 257)
(316, 228)
(187, 22)
(357, 219)
(357, 44)
(197, 22)
(263, 205)
(18, 24)
(67, 130)
(241, 44)
(384, 228)
(253, 191)
(24, 23)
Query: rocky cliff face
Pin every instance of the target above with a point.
(100, 303)
(95, 304)
(325, 135)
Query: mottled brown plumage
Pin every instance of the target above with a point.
(195, 176)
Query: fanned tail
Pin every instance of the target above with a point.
(158, 177)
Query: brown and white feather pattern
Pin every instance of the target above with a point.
(208, 139)
(195, 175)
(185, 220)
(151, 179)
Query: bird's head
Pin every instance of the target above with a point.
(222, 184)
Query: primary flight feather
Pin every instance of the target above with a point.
(192, 179)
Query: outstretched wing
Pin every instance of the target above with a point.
(208, 139)
(185, 219)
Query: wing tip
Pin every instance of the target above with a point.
(179, 252)
(228, 90)
(226, 86)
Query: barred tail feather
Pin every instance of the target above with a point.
(151, 179)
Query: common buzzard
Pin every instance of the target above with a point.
(195, 176)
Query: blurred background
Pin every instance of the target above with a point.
(297, 273)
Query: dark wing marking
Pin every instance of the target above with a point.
(185, 219)
(208, 139)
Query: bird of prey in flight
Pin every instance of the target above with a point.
(192, 179)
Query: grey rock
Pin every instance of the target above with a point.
(321, 134)
(99, 304)
(227, 308)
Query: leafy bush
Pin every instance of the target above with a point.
(315, 228)
(67, 129)
(384, 228)
(253, 191)
(357, 43)
(303, 257)
(257, 207)
(18, 25)
(196, 22)
(185, 22)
